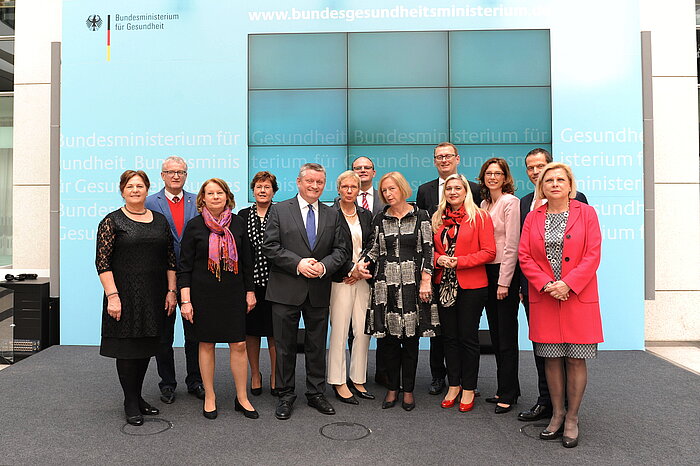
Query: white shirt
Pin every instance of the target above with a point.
(441, 189)
(304, 208)
(534, 199)
(170, 196)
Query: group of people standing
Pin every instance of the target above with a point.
(374, 265)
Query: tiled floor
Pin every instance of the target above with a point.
(685, 354)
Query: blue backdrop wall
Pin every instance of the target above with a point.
(237, 87)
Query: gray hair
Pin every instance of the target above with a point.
(317, 167)
(347, 174)
(176, 159)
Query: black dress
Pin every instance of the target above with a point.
(138, 255)
(219, 306)
(258, 322)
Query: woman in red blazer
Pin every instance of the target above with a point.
(464, 242)
(559, 254)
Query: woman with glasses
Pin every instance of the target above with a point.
(349, 298)
(497, 188)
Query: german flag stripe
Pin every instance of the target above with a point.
(109, 36)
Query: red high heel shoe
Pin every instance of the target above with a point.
(448, 403)
(466, 407)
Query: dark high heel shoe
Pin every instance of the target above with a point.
(408, 406)
(256, 391)
(365, 395)
(492, 399)
(351, 400)
(569, 442)
(250, 414)
(389, 404)
(210, 414)
(549, 435)
(503, 409)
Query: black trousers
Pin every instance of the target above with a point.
(437, 350)
(285, 325)
(544, 398)
(460, 332)
(502, 316)
(401, 361)
(165, 359)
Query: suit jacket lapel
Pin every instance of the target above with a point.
(320, 218)
(190, 207)
(165, 208)
(574, 213)
(296, 216)
(541, 214)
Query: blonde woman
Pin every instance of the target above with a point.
(464, 242)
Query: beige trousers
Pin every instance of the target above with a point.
(348, 305)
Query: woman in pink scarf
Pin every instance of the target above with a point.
(216, 288)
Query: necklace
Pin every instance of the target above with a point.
(136, 213)
(349, 215)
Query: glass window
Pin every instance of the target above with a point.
(6, 108)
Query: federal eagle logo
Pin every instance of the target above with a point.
(93, 22)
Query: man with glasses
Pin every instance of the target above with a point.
(446, 160)
(535, 161)
(368, 197)
(179, 207)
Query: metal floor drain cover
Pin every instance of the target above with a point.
(151, 426)
(533, 430)
(344, 431)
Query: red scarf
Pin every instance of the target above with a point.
(222, 246)
(451, 219)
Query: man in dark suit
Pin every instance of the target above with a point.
(179, 207)
(535, 161)
(304, 244)
(446, 159)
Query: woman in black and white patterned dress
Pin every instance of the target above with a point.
(401, 309)
(259, 320)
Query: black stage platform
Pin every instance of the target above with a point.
(63, 406)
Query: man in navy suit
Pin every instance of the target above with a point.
(535, 161)
(446, 160)
(305, 246)
(179, 207)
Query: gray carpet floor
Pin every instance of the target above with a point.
(63, 406)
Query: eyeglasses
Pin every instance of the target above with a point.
(493, 174)
(440, 158)
(174, 172)
(360, 168)
(345, 187)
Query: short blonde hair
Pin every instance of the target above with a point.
(539, 191)
(347, 174)
(400, 181)
(230, 201)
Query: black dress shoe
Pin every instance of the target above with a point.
(256, 391)
(549, 435)
(437, 386)
(503, 409)
(283, 410)
(351, 400)
(408, 406)
(250, 414)
(135, 420)
(535, 413)
(167, 395)
(210, 414)
(569, 442)
(147, 409)
(321, 405)
(197, 391)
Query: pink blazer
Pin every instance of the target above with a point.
(576, 320)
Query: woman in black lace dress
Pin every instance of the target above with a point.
(136, 264)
